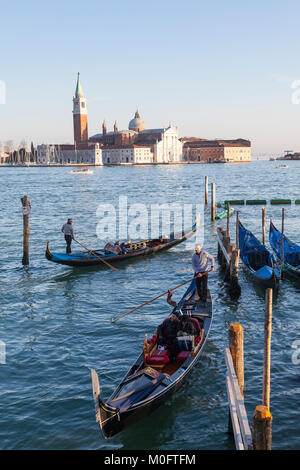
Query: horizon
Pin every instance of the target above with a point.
(214, 71)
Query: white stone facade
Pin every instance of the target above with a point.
(131, 155)
(169, 148)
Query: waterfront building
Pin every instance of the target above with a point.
(53, 154)
(132, 154)
(163, 143)
(4, 158)
(216, 151)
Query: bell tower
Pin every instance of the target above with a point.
(79, 114)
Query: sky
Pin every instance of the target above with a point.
(217, 69)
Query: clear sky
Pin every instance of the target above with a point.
(216, 69)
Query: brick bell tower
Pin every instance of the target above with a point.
(79, 114)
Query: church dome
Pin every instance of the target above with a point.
(137, 124)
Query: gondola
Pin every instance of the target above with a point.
(291, 252)
(131, 250)
(153, 378)
(257, 259)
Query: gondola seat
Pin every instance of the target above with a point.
(158, 358)
(182, 356)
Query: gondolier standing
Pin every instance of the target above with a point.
(68, 232)
(200, 266)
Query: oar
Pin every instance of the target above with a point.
(113, 320)
(92, 252)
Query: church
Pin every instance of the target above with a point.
(135, 145)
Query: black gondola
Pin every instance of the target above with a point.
(257, 259)
(131, 250)
(153, 378)
(291, 252)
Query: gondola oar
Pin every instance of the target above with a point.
(113, 320)
(92, 252)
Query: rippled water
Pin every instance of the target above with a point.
(55, 320)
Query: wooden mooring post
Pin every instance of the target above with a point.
(261, 436)
(206, 190)
(263, 223)
(228, 257)
(282, 241)
(213, 201)
(26, 214)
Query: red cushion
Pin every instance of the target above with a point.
(159, 356)
(182, 356)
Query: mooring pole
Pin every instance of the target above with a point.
(237, 244)
(206, 190)
(213, 201)
(262, 428)
(282, 239)
(26, 214)
(263, 222)
(267, 348)
(228, 220)
(236, 346)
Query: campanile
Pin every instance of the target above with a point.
(79, 114)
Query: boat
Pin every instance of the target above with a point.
(224, 213)
(82, 171)
(291, 252)
(281, 166)
(130, 250)
(257, 259)
(152, 379)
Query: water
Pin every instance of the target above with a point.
(55, 320)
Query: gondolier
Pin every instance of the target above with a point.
(68, 232)
(200, 261)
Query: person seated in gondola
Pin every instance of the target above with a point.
(186, 332)
(167, 330)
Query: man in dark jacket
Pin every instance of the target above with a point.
(167, 331)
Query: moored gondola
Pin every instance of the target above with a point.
(154, 377)
(130, 250)
(291, 252)
(257, 259)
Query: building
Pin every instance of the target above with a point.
(80, 115)
(4, 158)
(131, 154)
(53, 154)
(216, 151)
(162, 143)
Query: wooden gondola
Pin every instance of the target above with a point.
(257, 259)
(131, 250)
(153, 378)
(291, 252)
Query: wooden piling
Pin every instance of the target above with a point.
(262, 428)
(267, 348)
(228, 220)
(26, 214)
(237, 244)
(263, 222)
(236, 346)
(213, 201)
(206, 190)
(282, 240)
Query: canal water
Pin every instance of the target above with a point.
(55, 320)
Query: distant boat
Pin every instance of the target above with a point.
(272, 159)
(282, 166)
(82, 171)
